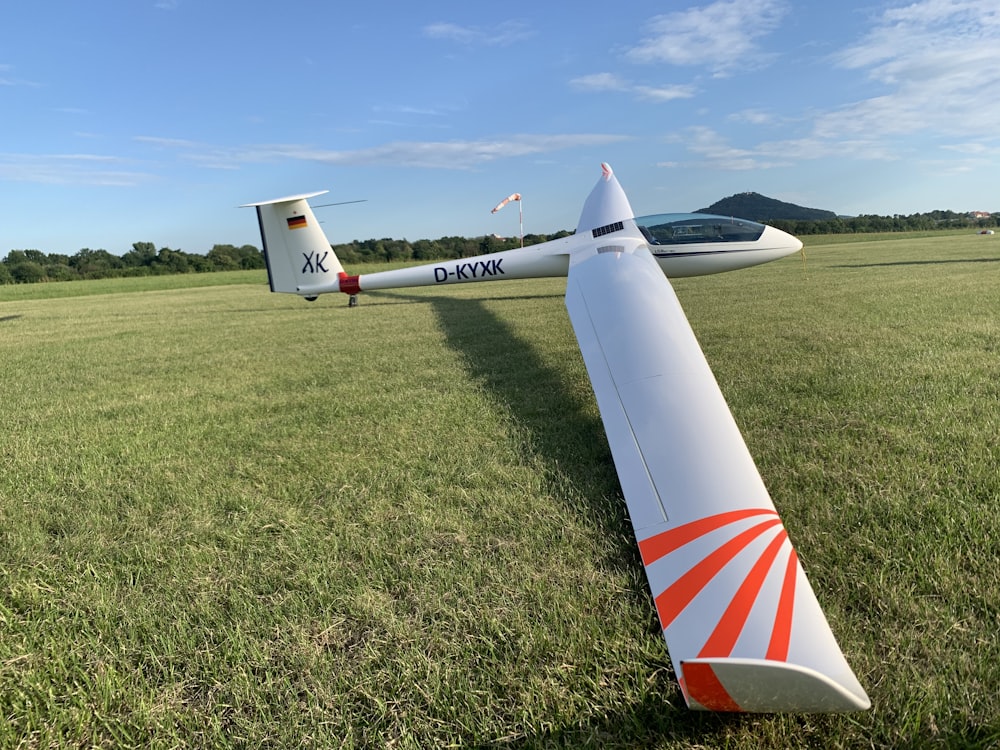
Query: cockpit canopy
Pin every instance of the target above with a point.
(682, 229)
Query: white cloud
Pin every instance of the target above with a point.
(974, 149)
(938, 62)
(721, 36)
(404, 109)
(70, 169)
(803, 149)
(167, 142)
(664, 93)
(452, 32)
(406, 116)
(716, 152)
(427, 154)
(600, 82)
(452, 154)
(611, 82)
(8, 80)
(753, 117)
(502, 35)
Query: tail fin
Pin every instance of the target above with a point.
(298, 254)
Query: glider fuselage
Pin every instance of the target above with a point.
(682, 244)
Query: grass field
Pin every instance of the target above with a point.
(233, 519)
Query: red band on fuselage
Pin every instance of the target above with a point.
(349, 284)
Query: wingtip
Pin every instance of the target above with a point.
(607, 203)
(767, 686)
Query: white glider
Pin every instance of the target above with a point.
(742, 625)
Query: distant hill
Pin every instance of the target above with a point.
(757, 207)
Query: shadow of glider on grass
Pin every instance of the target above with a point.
(742, 625)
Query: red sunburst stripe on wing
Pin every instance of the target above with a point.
(682, 592)
(781, 636)
(703, 686)
(723, 639)
(659, 545)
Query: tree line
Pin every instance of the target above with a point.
(31, 266)
(869, 223)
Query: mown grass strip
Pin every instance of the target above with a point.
(232, 518)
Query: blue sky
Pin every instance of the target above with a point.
(152, 120)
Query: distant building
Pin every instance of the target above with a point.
(980, 214)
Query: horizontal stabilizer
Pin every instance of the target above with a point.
(761, 685)
(287, 199)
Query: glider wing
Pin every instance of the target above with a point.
(743, 627)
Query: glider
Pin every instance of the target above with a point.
(742, 625)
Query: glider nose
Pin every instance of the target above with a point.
(782, 243)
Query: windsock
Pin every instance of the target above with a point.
(505, 201)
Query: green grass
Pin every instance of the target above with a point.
(946, 235)
(231, 518)
(61, 289)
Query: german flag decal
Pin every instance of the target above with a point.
(297, 222)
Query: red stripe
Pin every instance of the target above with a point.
(682, 592)
(704, 686)
(727, 632)
(781, 636)
(659, 545)
(349, 284)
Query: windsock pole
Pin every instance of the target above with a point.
(520, 220)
